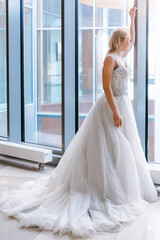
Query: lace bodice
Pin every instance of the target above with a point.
(120, 77)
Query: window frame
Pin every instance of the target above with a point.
(15, 70)
(140, 72)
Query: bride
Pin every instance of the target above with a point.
(102, 180)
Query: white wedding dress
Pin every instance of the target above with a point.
(102, 181)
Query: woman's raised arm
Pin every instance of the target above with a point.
(132, 14)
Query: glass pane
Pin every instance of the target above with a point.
(49, 13)
(101, 38)
(93, 46)
(28, 2)
(42, 82)
(49, 69)
(49, 130)
(3, 71)
(110, 13)
(30, 104)
(85, 12)
(154, 83)
(85, 72)
(49, 79)
(28, 61)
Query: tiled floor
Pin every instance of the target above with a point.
(14, 172)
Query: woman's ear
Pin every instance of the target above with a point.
(124, 41)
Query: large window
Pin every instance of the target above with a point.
(154, 82)
(3, 71)
(42, 72)
(97, 19)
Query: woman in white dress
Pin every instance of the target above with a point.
(102, 179)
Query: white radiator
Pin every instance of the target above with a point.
(39, 155)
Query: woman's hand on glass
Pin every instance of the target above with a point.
(132, 12)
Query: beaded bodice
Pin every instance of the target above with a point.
(120, 77)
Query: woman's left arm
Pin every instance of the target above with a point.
(132, 14)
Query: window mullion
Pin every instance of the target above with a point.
(68, 70)
(14, 70)
(140, 71)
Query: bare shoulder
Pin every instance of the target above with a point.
(109, 61)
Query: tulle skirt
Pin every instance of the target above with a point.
(101, 182)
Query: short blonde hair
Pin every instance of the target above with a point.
(116, 38)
